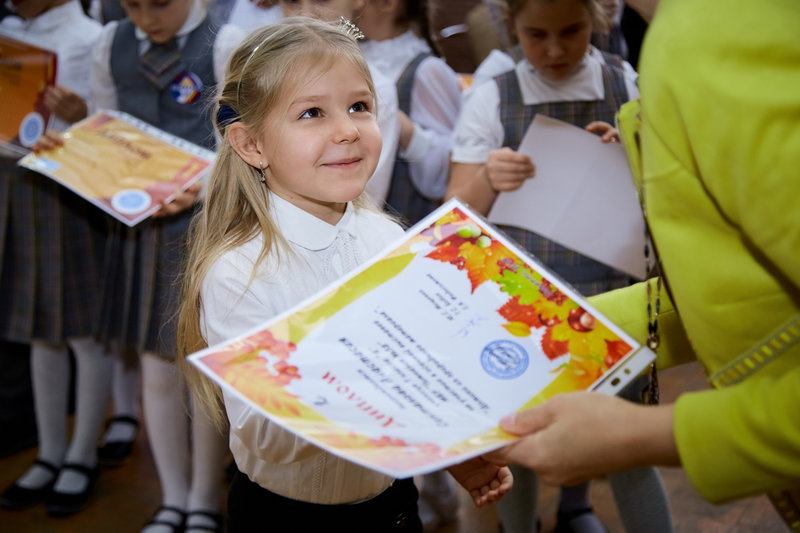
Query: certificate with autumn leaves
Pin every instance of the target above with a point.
(407, 365)
(122, 164)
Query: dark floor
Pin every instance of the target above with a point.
(127, 495)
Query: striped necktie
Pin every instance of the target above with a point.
(161, 63)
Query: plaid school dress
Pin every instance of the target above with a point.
(51, 254)
(403, 196)
(142, 275)
(585, 274)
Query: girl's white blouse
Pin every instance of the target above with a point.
(318, 254)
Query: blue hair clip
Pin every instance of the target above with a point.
(226, 115)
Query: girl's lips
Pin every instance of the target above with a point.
(343, 162)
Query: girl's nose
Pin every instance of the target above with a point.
(554, 48)
(345, 131)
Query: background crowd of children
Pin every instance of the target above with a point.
(129, 303)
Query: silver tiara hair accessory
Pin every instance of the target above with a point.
(350, 29)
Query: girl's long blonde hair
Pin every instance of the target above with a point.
(269, 64)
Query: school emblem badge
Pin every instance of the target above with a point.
(186, 87)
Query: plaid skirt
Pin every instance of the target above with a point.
(586, 275)
(52, 245)
(141, 285)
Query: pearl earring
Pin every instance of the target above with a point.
(261, 167)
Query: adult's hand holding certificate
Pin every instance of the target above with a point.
(582, 196)
(407, 365)
(123, 165)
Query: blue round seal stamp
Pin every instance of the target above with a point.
(131, 201)
(30, 129)
(504, 359)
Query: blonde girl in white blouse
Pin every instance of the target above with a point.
(284, 215)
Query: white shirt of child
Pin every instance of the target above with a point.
(435, 105)
(318, 254)
(479, 129)
(102, 89)
(68, 32)
(386, 94)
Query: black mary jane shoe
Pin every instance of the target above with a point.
(69, 503)
(115, 452)
(17, 497)
(216, 518)
(176, 527)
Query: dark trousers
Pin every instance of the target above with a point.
(254, 509)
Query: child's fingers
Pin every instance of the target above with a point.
(183, 200)
(611, 136)
(598, 126)
(51, 139)
(607, 132)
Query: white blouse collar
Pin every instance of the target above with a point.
(304, 229)
(391, 56)
(586, 83)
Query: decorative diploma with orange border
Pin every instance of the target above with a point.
(25, 72)
(407, 365)
(122, 164)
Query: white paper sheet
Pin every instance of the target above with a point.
(581, 197)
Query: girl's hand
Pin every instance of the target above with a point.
(577, 436)
(608, 133)
(65, 104)
(182, 201)
(485, 481)
(50, 140)
(507, 170)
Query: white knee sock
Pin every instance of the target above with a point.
(50, 373)
(166, 419)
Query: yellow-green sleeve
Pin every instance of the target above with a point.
(745, 439)
(627, 308)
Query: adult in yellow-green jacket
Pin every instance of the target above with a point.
(719, 172)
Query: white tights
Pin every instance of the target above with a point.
(189, 480)
(50, 374)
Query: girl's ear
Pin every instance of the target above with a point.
(358, 5)
(244, 143)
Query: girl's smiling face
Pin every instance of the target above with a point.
(159, 19)
(322, 145)
(554, 35)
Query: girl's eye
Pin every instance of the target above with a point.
(359, 107)
(314, 112)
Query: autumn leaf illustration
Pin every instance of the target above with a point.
(551, 347)
(515, 312)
